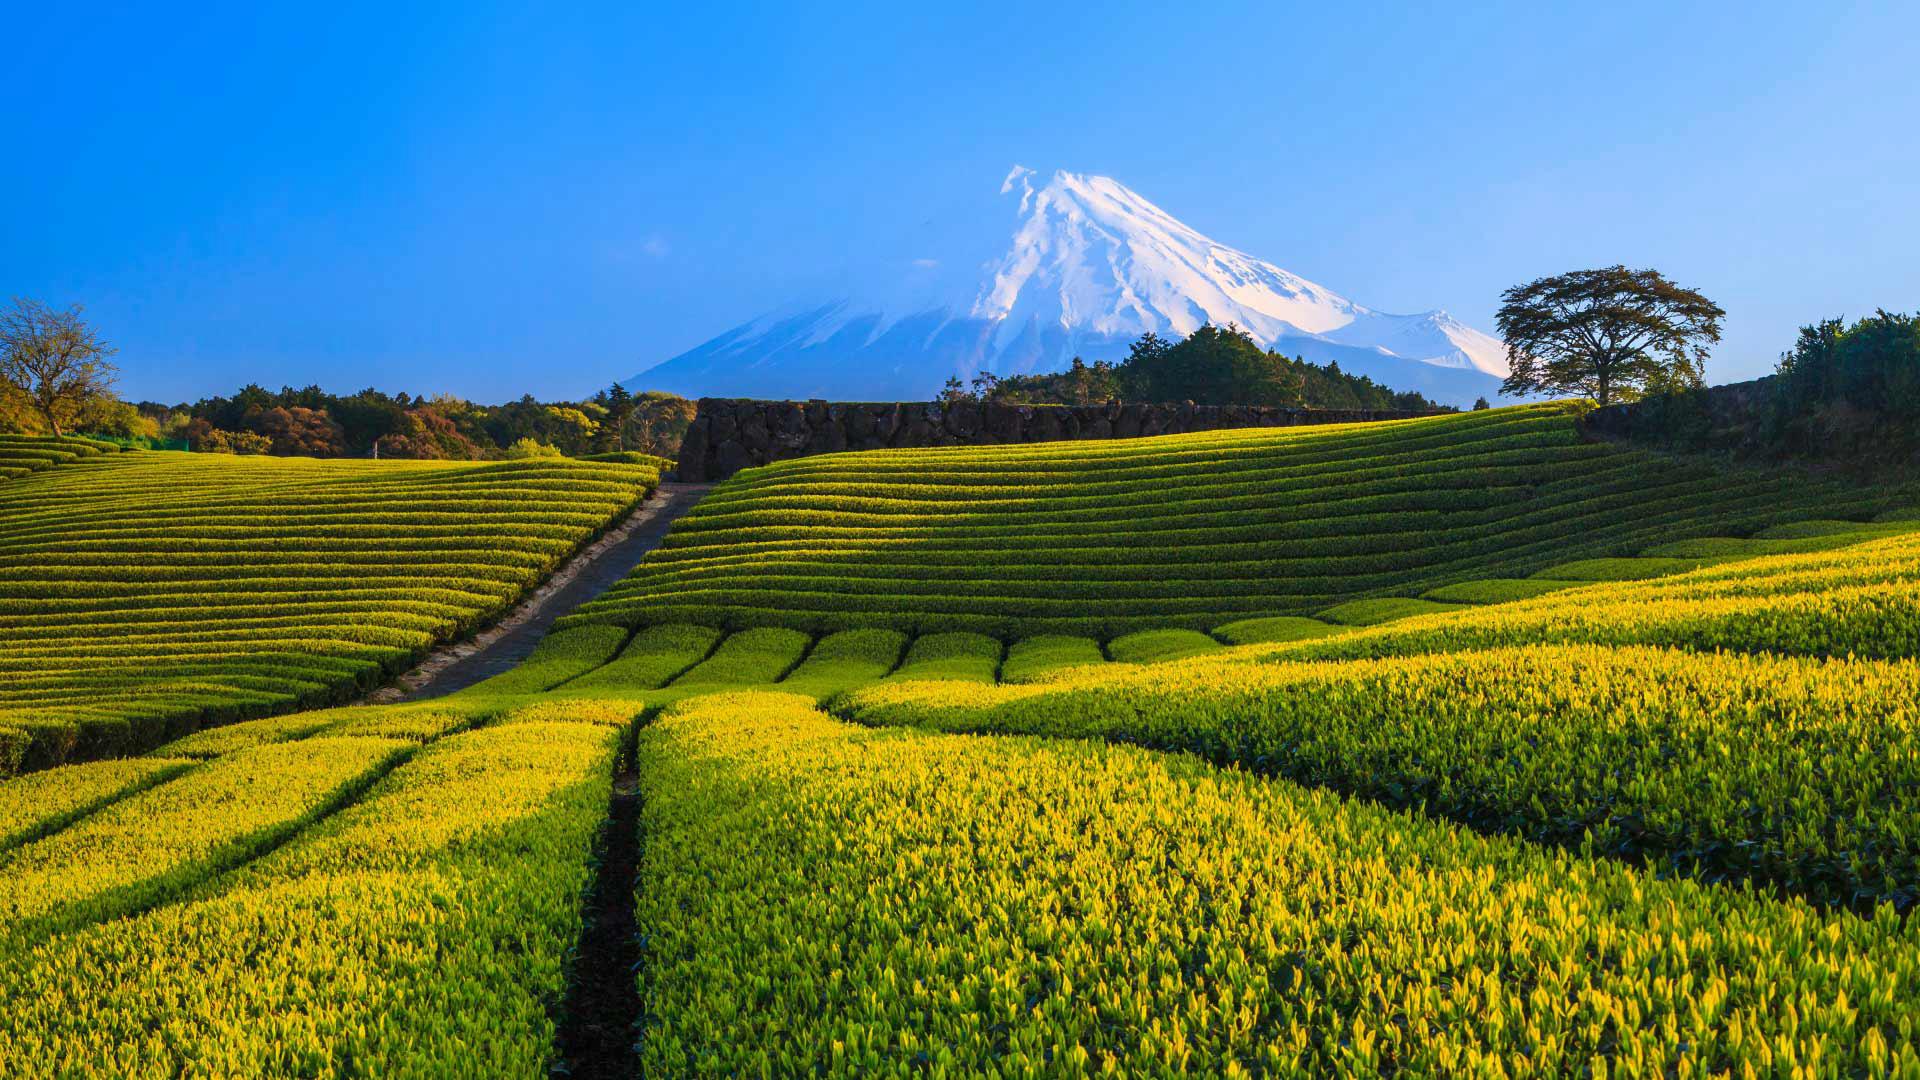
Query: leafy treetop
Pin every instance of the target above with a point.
(1214, 365)
(1609, 334)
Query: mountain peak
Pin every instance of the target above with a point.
(1091, 265)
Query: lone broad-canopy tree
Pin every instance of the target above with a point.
(1610, 335)
(53, 359)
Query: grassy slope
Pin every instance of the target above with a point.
(1192, 531)
(144, 594)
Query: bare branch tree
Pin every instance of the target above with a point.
(54, 358)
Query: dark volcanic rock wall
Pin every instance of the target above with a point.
(730, 434)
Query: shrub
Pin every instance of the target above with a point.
(528, 448)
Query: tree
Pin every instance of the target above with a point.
(427, 434)
(1606, 334)
(657, 423)
(529, 448)
(569, 429)
(1214, 365)
(207, 439)
(619, 405)
(1481, 404)
(17, 414)
(1872, 365)
(111, 416)
(299, 431)
(53, 358)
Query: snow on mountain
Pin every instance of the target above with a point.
(1092, 265)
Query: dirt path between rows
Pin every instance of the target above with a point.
(588, 574)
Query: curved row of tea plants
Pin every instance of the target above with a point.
(1862, 600)
(143, 595)
(360, 889)
(23, 454)
(1190, 531)
(823, 899)
(1799, 774)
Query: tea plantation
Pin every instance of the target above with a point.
(1459, 746)
(1191, 531)
(145, 594)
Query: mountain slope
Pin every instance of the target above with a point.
(1090, 267)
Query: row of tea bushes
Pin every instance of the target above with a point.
(1802, 775)
(424, 930)
(1862, 600)
(23, 454)
(156, 844)
(1828, 588)
(145, 595)
(1189, 531)
(824, 899)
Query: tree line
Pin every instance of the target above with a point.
(314, 423)
(57, 378)
(1610, 335)
(1214, 365)
(1846, 396)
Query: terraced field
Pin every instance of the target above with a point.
(143, 595)
(1188, 531)
(1638, 803)
(23, 454)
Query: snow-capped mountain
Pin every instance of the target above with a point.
(1091, 266)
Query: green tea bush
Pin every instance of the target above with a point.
(425, 930)
(1791, 772)
(652, 659)
(824, 899)
(1153, 646)
(1034, 658)
(951, 656)
(845, 660)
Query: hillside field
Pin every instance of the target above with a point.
(145, 594)
(1184, 531)
(1446, 747)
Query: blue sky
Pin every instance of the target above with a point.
(495, 199)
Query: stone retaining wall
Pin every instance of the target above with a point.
(730, 434)
(1715, 414)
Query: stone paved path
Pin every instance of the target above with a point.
(507, 643)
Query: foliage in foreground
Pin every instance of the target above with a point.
(1798, 774)
(423, 931)
(824, 899)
